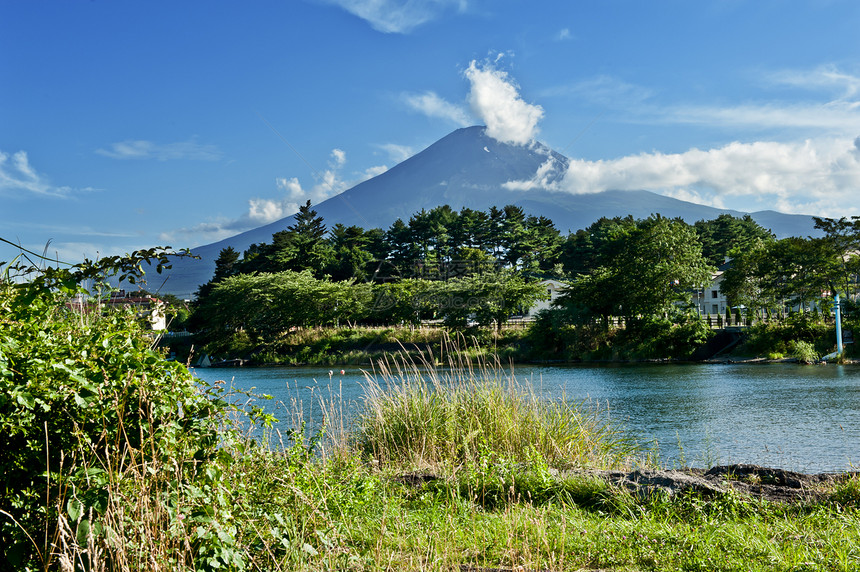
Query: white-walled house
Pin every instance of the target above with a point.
(710, 300)
(554, 289)
(147, 308)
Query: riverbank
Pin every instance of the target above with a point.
(360, 346)
(468, 470)
(520, 344)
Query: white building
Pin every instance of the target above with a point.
(710, 300)
(554, 289)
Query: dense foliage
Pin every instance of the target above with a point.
(641, 268)
(474, 268)
(775, 277)
(82, 391)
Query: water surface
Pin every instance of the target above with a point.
(804, 418)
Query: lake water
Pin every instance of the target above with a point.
(803, 418)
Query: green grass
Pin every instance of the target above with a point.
(418, 415)
(482, 451)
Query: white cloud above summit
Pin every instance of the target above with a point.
(495, 99)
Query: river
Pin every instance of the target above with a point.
(802, 418)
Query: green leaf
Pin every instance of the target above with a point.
(25, 399)
(75, 509)
(83, 532)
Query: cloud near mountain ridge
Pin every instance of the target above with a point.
(262, 211)
(816, 175)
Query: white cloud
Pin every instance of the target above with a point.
(564, 34)
(398, 16)
(263, 211)
(815, 176)
(430, 104)
(138, 149)
(546, 177)
(397, 153)
(837, 116)
(826, 77)
(17, 175)
(338, 158)
(371, 172)
(496, 100)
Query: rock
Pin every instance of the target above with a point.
(753, 474)
(775, 485)
(671, 482)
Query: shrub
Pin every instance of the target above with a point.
(804, 351)
(82, 392)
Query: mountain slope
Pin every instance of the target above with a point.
(467, 168)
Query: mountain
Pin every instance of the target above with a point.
(467, 168)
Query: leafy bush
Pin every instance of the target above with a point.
(674, 336)
(81, 393)
(803, 351)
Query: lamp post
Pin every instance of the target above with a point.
(838, 326)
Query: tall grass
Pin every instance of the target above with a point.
(420, 414)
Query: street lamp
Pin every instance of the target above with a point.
(838, 326)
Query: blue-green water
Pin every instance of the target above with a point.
(804, 418)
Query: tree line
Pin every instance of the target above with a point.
(473, 267)
(772, 278)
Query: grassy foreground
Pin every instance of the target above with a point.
(113, 459)
(444, 469)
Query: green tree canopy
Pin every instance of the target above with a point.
(726, 236)
(642, 270)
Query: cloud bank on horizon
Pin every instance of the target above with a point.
(814, 175)
(811, 176)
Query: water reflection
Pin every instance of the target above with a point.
(804, 418)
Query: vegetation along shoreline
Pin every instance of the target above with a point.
(621, 290)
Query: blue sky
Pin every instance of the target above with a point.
(126, 125)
